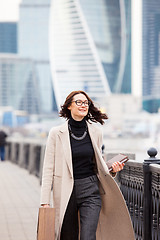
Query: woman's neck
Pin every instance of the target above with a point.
(76, 118)
(77, 124)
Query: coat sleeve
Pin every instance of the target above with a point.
(48, 168)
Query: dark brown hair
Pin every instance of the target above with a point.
(94, 114)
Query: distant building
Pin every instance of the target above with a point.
(33, 39)
(120, 105)
(19, 84)
(90, 47)
(8, 37)
(13, 118)
(151, 55)
(109, 23)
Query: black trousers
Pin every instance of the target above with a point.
(86, 199)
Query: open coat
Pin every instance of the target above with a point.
(114, 221)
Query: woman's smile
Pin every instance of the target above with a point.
(82, 110)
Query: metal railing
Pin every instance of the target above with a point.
(139, 183)
(27, 153)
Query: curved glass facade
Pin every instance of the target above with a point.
(110, 24)
(74, 60)
(90, 47)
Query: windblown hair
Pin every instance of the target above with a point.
(94, 114)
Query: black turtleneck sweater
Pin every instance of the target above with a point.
(82, 150)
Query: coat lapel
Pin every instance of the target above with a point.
(64, 136)
(94, 138)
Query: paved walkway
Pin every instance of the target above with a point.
(19, 203)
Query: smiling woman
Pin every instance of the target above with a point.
(87, 201)
(9, 10)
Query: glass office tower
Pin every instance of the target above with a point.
(110, 24)
(90, 47)
(8, 37)
(18, 84)
(33, 38)
(151, 55)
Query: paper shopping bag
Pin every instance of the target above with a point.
(46, 224)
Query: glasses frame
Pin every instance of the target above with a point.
(83, 102)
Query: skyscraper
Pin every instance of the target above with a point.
(33, 38)
(90, 47)
(151, 55)
(18, 84)
(8, 37)
(18, 76)
(110, 24)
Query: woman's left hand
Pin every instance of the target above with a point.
(117, 166)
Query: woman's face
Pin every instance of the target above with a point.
(78, 111)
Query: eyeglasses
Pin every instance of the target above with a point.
(80, 103)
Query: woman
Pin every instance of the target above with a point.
(88, 202)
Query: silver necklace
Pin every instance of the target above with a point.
(75, 137)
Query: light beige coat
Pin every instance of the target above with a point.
(114, 222)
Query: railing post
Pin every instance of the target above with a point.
(147, 205)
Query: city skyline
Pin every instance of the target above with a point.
(105, 34)
(12, 14)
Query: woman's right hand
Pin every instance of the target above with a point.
(45, 205)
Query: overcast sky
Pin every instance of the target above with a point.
(9, 10)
